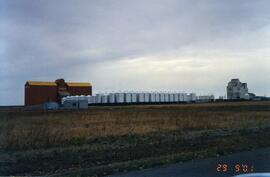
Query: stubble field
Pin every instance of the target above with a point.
(104, 140)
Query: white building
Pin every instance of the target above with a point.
(237, 90)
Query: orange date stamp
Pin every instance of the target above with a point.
(237, 168)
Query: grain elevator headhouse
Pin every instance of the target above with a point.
(39, 92)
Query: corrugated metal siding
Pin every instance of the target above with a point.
(120, 97)
(80, 90)
(128, 97)
(35, 95)
(111, 98)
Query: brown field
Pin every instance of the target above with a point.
(103, 140)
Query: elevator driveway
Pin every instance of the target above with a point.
(257, 160)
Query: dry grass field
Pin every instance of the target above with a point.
(107, 139)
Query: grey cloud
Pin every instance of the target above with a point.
(48, 39)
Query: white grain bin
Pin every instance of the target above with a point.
(66, 98)
(98, 98)
(176, 97)
(70, 97)
(63, 100)
(167, 97)
(88, 99)
(76, 98)
(128, 97)
(146, 97)
(152, 97)
(212, 97)
(140, 97)
(81, 97)
(111, 98)
(162, 97)
(189, 97)
(104, 99)
(134, 97)
(186, 97)
(193, 96)
(157, 95)
(70, 104)
(171, 97)
(93, 99)
(119, 97)
(181, 97)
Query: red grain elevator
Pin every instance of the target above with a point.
(37, 92)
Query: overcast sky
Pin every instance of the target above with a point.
(152, 45)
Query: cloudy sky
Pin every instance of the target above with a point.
(152, 45)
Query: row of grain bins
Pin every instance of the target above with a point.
(134, 98)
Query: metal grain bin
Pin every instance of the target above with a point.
(104, 99)
(140, 97)
(134, 97)
(63, 99)
(88, 99)
(176, 97)
(186, 97)
(152, 97)
(82, 97)
(111, 98)
(128, 97)
(98, 98)
(157, 97)
(166, 97)
(93, 99)
(193, 96)
(119, 97)
(146, 97)
(181, 97)
(171, 97)
(70, 104)
(162, 97)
